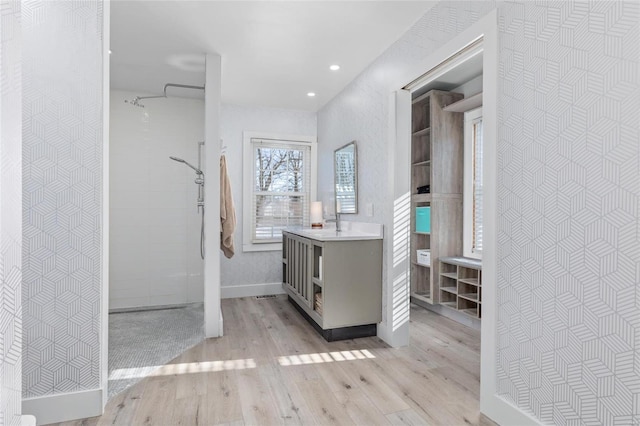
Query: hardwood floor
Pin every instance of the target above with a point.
(271, 367)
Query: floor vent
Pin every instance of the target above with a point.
(267, 296)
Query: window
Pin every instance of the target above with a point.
(279, 186)
(473, 183)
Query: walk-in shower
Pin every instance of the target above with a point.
(199, 173)
(200, 182)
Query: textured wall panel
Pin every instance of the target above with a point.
(62, 170)
(569, 259)
(569, 194)
(10, 214)
(265, 267)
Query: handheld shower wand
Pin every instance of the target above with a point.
(200, 182)
(180, 160)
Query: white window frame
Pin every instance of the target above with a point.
(467, 246)
(248, 180)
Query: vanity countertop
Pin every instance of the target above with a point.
(351, 231)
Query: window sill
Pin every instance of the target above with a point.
(262, 247)
(473, 255)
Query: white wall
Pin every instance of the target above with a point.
(155, 226)
(568, 194)
(254, 267)
(10, 214)
(62, 94)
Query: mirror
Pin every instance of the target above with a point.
(346, 178)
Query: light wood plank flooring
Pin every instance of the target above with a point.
(271, 367)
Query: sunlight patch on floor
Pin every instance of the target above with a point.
(319, 358)
(184, 368)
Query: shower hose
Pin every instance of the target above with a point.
(202, 235)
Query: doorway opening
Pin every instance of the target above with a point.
(446, 187)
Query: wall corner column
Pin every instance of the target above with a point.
(212, 100)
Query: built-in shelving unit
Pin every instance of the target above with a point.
(461, 285)
(436, 160)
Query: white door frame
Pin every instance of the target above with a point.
(491, 404)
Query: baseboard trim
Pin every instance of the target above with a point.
(152, 308)
(64, 407)
(449, 313)
(250, 290)
(504, 412)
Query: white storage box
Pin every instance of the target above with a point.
(424, 257)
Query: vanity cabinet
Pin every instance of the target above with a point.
(335, 285)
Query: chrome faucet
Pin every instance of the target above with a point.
(337, 221)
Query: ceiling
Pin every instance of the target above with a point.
(273, 52)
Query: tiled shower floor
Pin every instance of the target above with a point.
(140, 341)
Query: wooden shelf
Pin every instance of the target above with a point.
(473, 312)
(422, 233)
(423, 297)
(421, 198)
(466, 104)
(451, 305)
(420, 264)
(470, 296)
(421, 132)
(453, 275)
(452, 290)
(470, 281)
(422, 163)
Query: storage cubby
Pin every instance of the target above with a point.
(436, 160)
(317, 299)
(465, 276)
(421, 281)
(420, 114)
(448, 299)
(317, 262)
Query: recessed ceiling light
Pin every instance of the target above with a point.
(110, 52)
(311, 94)
(334, 67)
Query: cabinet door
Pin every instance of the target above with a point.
(299, 270)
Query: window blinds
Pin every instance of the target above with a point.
(477, 185)
(281, 188)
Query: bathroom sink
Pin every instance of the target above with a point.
(351, 231)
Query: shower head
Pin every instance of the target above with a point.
(180, 160)
(135, 102)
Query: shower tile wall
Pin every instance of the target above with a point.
(155, 226)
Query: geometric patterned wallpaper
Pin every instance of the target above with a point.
(568, 202)
(10, 215)
(568, 193)
(62, 181)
